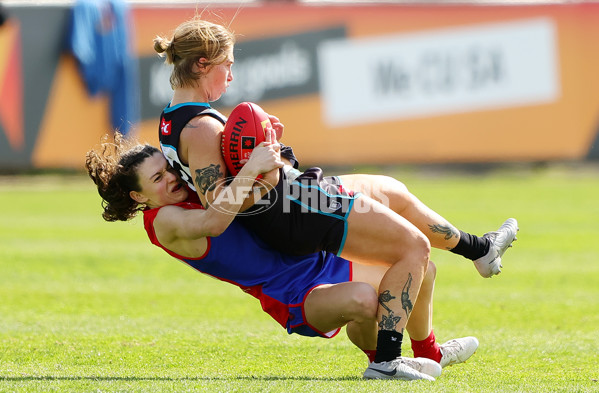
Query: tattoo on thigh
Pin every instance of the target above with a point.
(389, 322)
(448, 230)
(206, 178)
(406, 303)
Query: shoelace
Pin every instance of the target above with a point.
(452, 347)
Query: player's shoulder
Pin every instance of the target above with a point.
(168, 214)
(202, 129)
(202, 120)
(170, 218)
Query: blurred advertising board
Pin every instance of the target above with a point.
(353, 84)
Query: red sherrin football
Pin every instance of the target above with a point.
(245, 128)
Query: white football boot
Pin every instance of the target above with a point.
(458, 350)
(406, 369)
(501, 239)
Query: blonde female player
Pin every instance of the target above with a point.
(311, 295)
(396, 235)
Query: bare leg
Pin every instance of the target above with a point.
(420, 324)
(395, 195)
(485, 252)
(366, 333)
(329, 307)
(378, 235)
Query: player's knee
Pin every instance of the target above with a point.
(363, 301)
(395, 184)
(421, 247)
(414, 250)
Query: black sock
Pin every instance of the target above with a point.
(471, 246)
(388, 345)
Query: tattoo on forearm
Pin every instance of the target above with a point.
(389, 322)
(406, 303)
(206, 178)
(447, 230)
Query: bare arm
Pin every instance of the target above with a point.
(201, 147)
(184, 231)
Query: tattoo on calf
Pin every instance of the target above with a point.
(447, 230)
(389, 322)
(206, 178)
(406, 303)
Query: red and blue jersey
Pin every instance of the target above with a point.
(279, 281)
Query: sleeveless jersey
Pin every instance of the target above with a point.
(280, 282)
(172, 121)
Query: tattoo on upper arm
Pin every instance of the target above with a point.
(389, 322)
(448, 230)
(206, 178)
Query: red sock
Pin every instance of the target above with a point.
(371, 354)
(427, 348)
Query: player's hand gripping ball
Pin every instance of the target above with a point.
(245, 129)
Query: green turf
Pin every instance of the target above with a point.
(88, 306)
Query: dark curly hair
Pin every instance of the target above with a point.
(113, 168)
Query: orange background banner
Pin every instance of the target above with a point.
(561, 127)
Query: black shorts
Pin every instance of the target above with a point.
(305, 213)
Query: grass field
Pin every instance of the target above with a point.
(88, 306)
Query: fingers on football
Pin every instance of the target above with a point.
(271, 136)
(277, 126)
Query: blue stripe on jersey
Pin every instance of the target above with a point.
(351, 206)
(168, 146)
(342, 244)
(172, 108)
